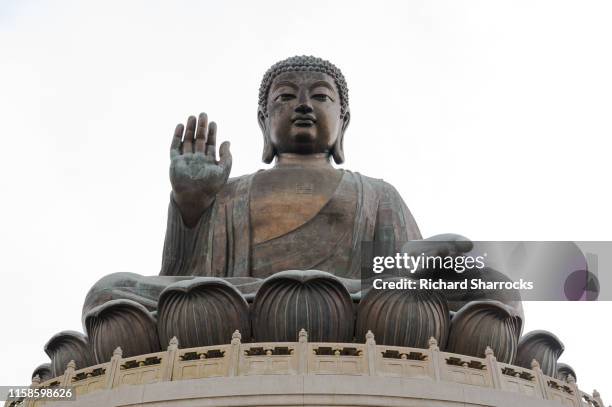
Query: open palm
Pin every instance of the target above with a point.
(195, 173)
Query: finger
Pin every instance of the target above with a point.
(457, 243)
(225, 157)
(464, 246)
(189, 132)
(175, 147)
(211, 140)
(200, 137)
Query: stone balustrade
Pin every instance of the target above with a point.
(308, 358)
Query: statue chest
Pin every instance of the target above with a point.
(282, 200)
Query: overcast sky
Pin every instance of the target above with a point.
(491, 118)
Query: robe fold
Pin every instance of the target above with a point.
(361, 209)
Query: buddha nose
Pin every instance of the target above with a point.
(303, 108)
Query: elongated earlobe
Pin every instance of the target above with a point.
(338, 149)
(268, 149)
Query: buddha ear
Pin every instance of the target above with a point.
(268, 150)
(338, 149)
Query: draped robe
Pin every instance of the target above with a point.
(340, 225)
(360, 209)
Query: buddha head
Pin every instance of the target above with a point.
(303, 108)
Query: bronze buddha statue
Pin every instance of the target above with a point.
(238, 251)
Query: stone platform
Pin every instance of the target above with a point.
(311, 374)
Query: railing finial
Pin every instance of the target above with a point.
(36, 380)
(303, 335)
(174, 343)
(433, 343)
(489, 351)
(118, 352)
(236, 337)
(535, 364)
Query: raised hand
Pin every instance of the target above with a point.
(195, 174)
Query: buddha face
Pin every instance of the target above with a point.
(303, 115)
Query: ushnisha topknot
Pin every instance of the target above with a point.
(303, 63)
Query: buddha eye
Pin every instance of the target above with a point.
(283, 97)
(321, 97)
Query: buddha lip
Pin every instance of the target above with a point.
(304, 121)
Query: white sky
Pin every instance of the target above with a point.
(491, 118)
